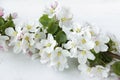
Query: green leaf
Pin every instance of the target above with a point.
(7, 24)
(61, 37)
(101, 59)
(44, 20)
(1, 21)
(116, 68)
(53, 27)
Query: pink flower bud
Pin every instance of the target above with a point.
(54, 5)
(1, 12)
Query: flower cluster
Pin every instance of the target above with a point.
(58, 37)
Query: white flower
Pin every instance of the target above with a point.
(65, 17)
(85, 69)
(11, 32)
(29, 28)
(84, 55)
(47, 44)
(14, 34)
(100, 71)
(44, 56)
(51, 10)
(17, 47)
(100, 43)
(59, 59)
(85, 41)
(3, 44)
(27, 41)
(94, 31)
(72, 45)
(39, 35)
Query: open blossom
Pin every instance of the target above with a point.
(27, 41)
(3, 44)
(47, 44)
(1, 12)
(94, 31)
(100, 71)
(44, 56)
(100, 43)
(85, 41)
(84, 55)
(85, 69)
(72, 45)
(65, 17)
(59, 59)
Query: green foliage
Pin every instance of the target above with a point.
(110, 44)
(5, 24)
(52, 27)
(45, 20)
(116, 68)
(101, 59)
(61, 37)
(1, 21)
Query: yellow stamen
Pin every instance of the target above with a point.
(97, 43)
(63, 19)
(59, 53)
(37, 36)
(99, 69)
(48, 45)
(77, 30)
(15, 33)
(48, 55)
(18, 44)
(83, 52)
(89, 69)
(29, 27)
(83, 41)
(27, 38)
(52, 11)
(58, 63)
(92, 33)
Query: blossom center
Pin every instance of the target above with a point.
(15, 33)
(27, 38)
(83, 52)
(77, 30)
(64, 19)
(59, 53)
(48, 55)
(97, 43)
(48, 45)
(83, 41)
(29, 27)
(37, 36)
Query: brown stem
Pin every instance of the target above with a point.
(113, 55)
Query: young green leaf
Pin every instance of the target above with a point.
(45, 20)
(53, 27)
(1, 21)
(61, 37)
(116, 68)
(101, 59)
